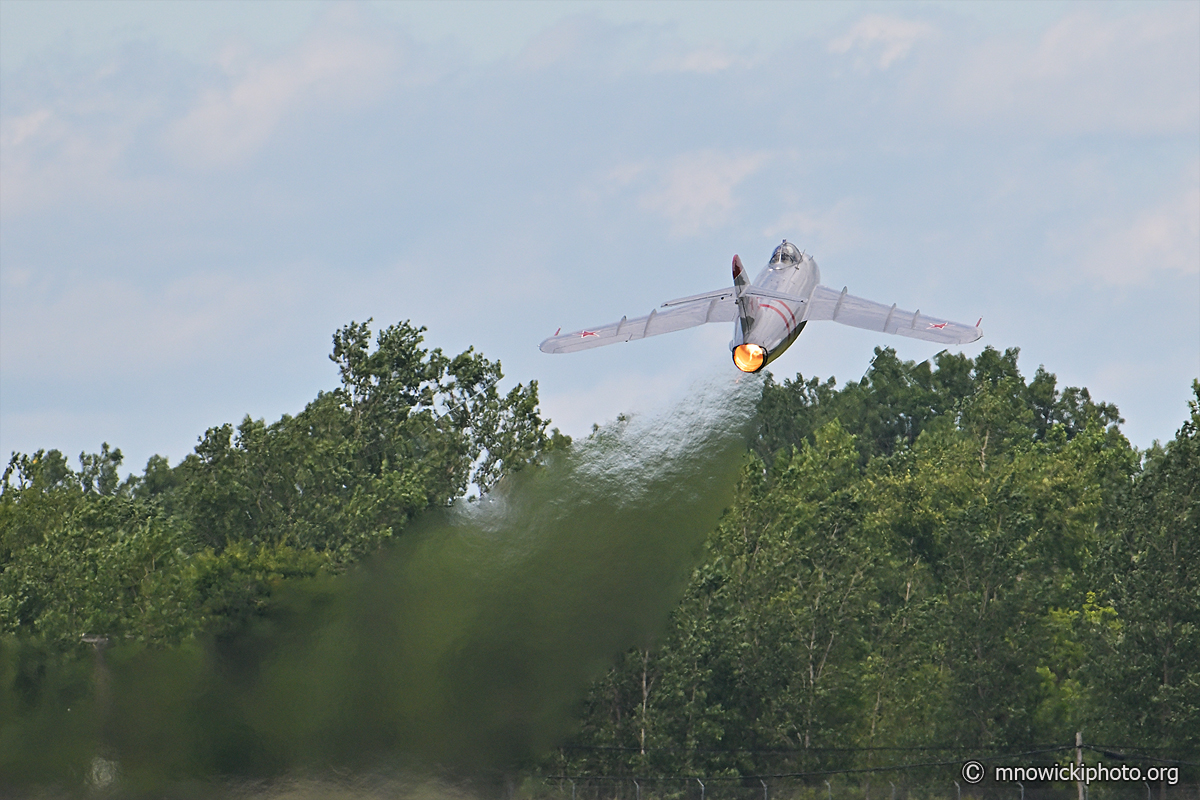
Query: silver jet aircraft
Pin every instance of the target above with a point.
(769, 314)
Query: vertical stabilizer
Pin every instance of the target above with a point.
(746, 305)
(740, 281)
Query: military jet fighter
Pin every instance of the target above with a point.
(769, 314)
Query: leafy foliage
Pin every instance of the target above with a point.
(938, 553)
(927, 556)
(1145, 685)
(162, 557)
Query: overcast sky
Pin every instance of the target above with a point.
(194, 196)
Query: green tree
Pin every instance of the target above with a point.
(994, 546)
(1145, 683)
(82, 555)
(765, 652)
(203, 547)
(908, 571)
(408, 428)
(896, 400)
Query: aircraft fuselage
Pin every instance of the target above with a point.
(767, 326)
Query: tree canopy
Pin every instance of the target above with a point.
(939, 554)
(200, 547)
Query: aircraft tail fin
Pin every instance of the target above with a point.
(746, 304)
(740, 279)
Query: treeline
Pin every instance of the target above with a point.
(931, 558)
(165, 555)
(938, 555)
(199, 549)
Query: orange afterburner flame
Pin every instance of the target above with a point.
(749, 357)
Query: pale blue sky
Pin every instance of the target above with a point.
(194, 196)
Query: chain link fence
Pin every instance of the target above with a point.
(721, 788)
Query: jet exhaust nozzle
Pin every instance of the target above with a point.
(749, 357)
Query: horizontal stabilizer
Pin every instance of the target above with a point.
(754, 291)
(720, 294)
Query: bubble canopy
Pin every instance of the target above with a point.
(785, 255)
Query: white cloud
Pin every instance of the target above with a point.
(1088, 73)
(608, 47)
(23, 128)
(695, 192)
(706, 60)
(615, 180)
(68, 148)
(1130, 251)
(80, 141)
(827, 229)
(334, 69)
(885, 40)
(75, 330)
(559, 42)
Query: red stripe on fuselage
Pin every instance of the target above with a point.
(786, 324)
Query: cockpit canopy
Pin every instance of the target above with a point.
(785, 255)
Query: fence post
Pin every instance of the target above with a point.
(894, 791)
(1079, 760)
(1022, 789)
(958, 789)
(764, 783)
(701, 788)
(638, 787)
(572, 789)
(828, 790)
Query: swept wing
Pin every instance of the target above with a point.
(830, 304)
(674, 315)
